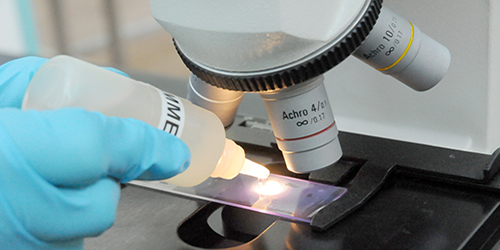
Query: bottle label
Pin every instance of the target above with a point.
(172, 114)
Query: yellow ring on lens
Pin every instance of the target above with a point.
(404, 53)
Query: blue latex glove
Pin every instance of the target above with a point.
(60, 170)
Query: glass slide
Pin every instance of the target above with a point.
(290, 198)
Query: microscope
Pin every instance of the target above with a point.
(418, 159)
(281, 50)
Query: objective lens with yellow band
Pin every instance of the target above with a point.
(398, 48)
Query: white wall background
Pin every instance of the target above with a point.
(11, 34)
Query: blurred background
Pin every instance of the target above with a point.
(122, 34)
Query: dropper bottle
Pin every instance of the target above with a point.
(65, 81)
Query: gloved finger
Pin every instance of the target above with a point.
(76, 213)
(52, 214)
(35, 212)
(73, 147)
(14, 79)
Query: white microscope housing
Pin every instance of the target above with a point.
(281, 49)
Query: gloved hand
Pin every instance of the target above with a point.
(60, 170)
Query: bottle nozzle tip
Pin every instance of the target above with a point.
(254, 169)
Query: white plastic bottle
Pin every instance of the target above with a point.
(65, 81)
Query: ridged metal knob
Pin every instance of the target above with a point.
(307, 70)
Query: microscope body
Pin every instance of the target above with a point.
(363, 100)
(435, 207)
(461, 112)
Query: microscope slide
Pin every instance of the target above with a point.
(292, 199)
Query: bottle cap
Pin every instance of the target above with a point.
(231, 162)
